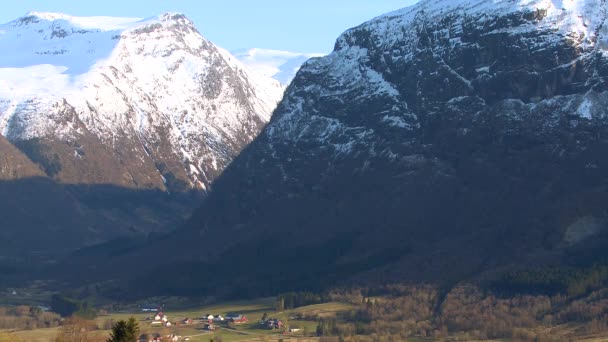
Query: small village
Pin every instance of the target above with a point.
(207, 324)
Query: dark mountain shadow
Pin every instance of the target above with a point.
(488, 207)
(43, 221)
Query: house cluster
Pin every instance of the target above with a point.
(273, 323)
(231, 317)
(236, 318)
(212, 318)
(160, 319)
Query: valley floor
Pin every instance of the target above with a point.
(250, 331)
(304, 319)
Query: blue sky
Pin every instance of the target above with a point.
(302, 26)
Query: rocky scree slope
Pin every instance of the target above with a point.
(436, 143)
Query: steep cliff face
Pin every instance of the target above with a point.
(144, 104)
(435, 143)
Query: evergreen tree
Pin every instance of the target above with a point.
(124, 331)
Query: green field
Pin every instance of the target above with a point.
(254, 310)
(251, 331)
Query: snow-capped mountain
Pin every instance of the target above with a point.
(143, 103)
(115, 126)
(280, 65)
(371, 60)
(434, 143)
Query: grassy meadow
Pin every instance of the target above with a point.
(250, 331)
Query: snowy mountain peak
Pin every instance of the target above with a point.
(177, 16)
(185, 105)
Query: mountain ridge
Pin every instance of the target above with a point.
(443, 146)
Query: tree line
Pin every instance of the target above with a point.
(294, 300)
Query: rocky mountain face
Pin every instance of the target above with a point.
(437, 143)
(134, 118)
(144, 104)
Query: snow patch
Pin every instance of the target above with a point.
(395, 121)
(584, 110)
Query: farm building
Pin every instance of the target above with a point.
(236, 318)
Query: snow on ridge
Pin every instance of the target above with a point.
(100, 23)
(77, 43)
(58, 52)
(562, 16)
(443, 7)
(271, 89)
(103, 23)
